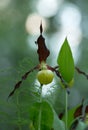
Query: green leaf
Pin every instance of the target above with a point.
(58, 124)
(66, 62)
(78, 124)
(70, 115)
(81, 126)
(41, 115)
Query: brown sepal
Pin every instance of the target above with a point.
(79, 110)
(42, 51)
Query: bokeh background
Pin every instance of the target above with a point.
(19, 29)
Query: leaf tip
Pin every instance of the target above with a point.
(41, 28)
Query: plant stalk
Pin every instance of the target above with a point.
(40, 110)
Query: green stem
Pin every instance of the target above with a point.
(40, 110)
(41, 93)
(66, 110)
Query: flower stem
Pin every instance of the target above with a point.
(40, 110)
(66, 109)
(41, 93)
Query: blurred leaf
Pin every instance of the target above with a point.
(58, 124)
(41, 114)
(81, 126)
(78, 125)
(70, 115)
(66, 62)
